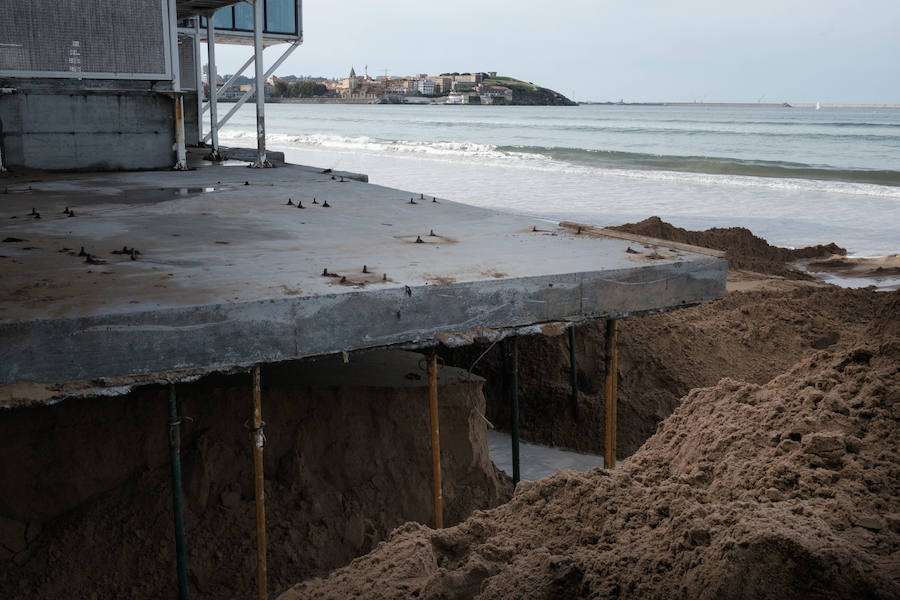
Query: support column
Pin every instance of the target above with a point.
(213, 91)
(574, 372)
(514, 384)
(177, 504)
(198, 75)
(260, 87)
(609, 454)
(180, 152)
(259, 440)
(435, 443)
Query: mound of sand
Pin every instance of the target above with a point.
(747, 491)
(743, 250)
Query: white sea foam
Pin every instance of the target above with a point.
(471, 151)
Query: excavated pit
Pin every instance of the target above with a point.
(87, 512)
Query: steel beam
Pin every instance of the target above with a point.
(198, 76)
(231, 80)
(250, 92)
(180, 152)
(258, 49)
(214, 154)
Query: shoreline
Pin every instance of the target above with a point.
(738, 104)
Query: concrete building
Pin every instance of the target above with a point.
(494, 94)
(473, 78)
(442, 84)
(76, 89)
(425, 87)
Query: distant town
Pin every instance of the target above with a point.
(448, 88)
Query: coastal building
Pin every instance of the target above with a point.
(425, 87)
(70, 79)
(442, 84)
(473, 78)
(494, 94)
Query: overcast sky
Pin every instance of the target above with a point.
(832, 51)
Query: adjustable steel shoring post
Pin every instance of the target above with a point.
(259, 440)
(574, 367)
(177, 505)
(260, 87)
(514, 384)
(609, 454)
(435, 442)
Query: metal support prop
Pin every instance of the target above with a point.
(213, 92)
(259, 440)
(252, 89)
(198, 76)
(574, 367)
(180, 152)
(514, 384)
(609, 455)
(260, 87)
(177, 504)
(435, 443)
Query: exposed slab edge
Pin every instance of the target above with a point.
(643, 239)
(224, 336)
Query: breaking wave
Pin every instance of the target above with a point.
(690, 169)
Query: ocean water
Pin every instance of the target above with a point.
(795, 176)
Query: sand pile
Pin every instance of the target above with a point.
(743, 250)
(775, 491)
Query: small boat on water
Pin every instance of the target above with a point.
(818, 106)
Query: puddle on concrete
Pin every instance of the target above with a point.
(537, 461)
(131, 195)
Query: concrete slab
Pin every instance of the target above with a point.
(228, 273)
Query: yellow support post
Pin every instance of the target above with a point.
(259, 440)
(609, 455)
(435, 443)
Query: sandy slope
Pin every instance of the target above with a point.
(773, 473)
(746, 491)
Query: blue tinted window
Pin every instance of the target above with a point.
(243, 16)
(281, 16)
(224, 18)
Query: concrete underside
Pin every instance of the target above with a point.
(228, 275)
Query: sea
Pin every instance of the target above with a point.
(794, 176)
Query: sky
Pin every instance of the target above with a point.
(830, 51)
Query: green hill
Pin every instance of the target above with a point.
(529, 94)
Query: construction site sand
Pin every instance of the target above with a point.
(748, 489)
